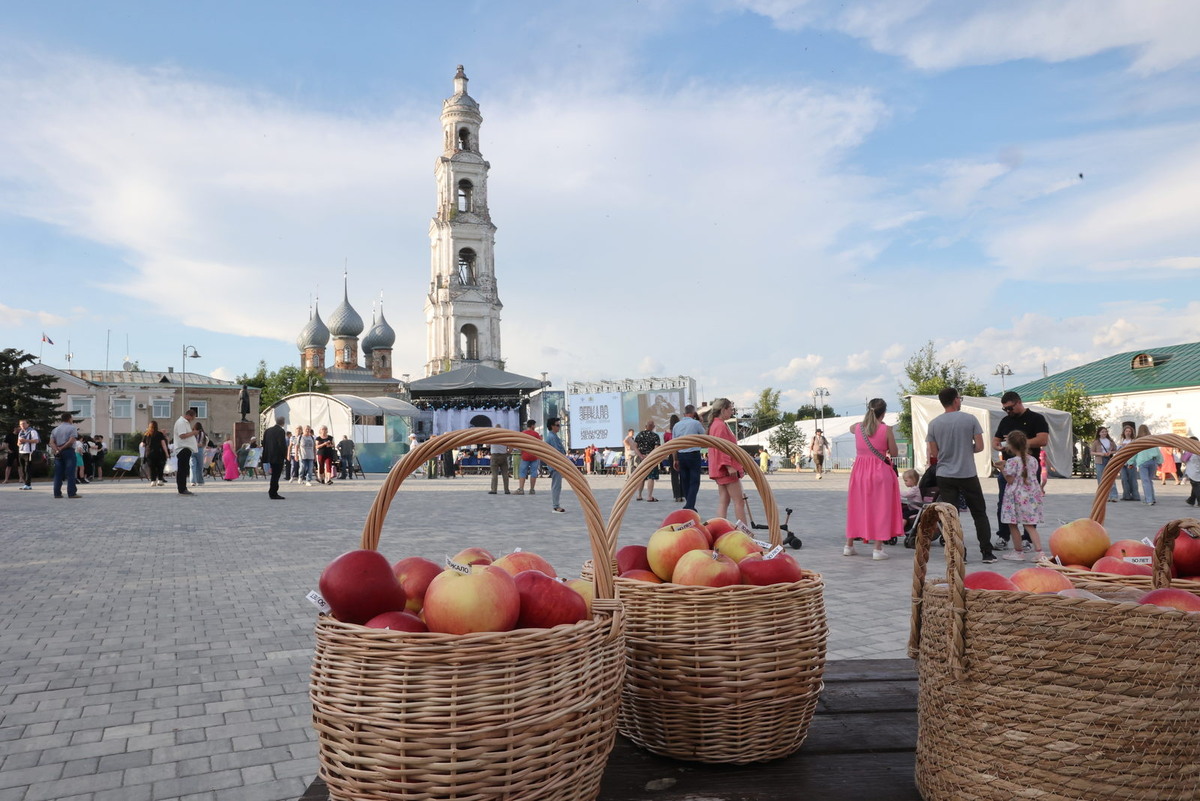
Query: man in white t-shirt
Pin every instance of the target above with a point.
(27, 443)
(185, 445)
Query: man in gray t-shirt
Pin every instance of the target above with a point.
(954, 438)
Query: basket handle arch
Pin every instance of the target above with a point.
(946, 517)
(603, 549)
(1164, 550)
(652, 459)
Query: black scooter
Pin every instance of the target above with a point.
(791, 540)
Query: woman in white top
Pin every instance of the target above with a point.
(1103, 447)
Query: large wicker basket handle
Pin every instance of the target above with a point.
(1123, 455)
(945, 516)
(603, 548)
(652, 459)
(1164, 548)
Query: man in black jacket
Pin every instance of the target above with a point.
(274, 454)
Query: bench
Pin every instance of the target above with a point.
(861, 744)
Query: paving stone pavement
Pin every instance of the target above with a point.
(155, 646)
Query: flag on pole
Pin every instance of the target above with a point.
(46, 338)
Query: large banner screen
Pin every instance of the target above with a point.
(657, 405)
(596, 420)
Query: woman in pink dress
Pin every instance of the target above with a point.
(229, 461)
(721, 467)
(873, 511)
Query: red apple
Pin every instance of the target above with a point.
(1186, 559)
(667, 545)
(547, 602)
(1124, 548)
(520, 561)
(359, 585)
(1080, 542)
(586, 589)
(782, 569)
(718, 526)
(987, 580)
(486, 599)
(682, 516)
(472, 556)
(1040, 579)
(642, 575)
(1113, 564)
(397, 621)
(1173, 598)
(414, 575)
(706, 569)
(737, 545)
(632, 557)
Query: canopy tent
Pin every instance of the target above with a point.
(379, 426)
(472, 378)
(989, 414)
(836, 430)
(475, 395)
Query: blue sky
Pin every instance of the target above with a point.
(754, 193)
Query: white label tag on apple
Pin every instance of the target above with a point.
(682, 526)
(762, 544)
(318, 601)
(1056, 559)
(715, 555)
(516, 550)
(464, 569)
(560, 579)
(1140, 560)
(740, 526)
(771, 554)
(1148, 541)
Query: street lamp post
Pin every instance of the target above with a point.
(1002, 370)
(195, 354)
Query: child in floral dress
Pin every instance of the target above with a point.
(1023, 496)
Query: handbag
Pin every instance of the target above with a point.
(885, 459)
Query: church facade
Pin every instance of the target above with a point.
(462, 308)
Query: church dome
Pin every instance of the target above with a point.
(314, 334)
(381, 335)
(345, 321)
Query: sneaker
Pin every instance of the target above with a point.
(491, 492)
(73, 497)
(1015, 556)
(848, 551)
(308, 483)
(558, 510)
(1041, 556)
(532, 492)
(879, 555)
(1000, 545)
(990, 559)
(519, 492)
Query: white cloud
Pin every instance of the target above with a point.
(797, 366)
(945, 34)
(223, 373)
(11, 317)
(650, 366)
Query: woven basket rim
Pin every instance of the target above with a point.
(603, 546)
(808, 578)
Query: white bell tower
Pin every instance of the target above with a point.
(462, 310)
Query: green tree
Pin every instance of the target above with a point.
(766, 409)
(1072, 397)
(789, 441)
(287, 380)
(928, 376)
(810, 412)
(25, 396)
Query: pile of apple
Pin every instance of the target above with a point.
(473, 592)
(714, 553)
(1045, 581)
(1084, 544)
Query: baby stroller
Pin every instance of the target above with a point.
(929, 494)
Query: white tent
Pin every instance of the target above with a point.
(379, 426)
(989, 414)
(836, 430)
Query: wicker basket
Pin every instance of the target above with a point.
(1026, 696)
(521, 715)
(1162, 574)
(725, 674)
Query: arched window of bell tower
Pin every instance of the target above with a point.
(465, 189)
(469, 341)
(464, 139)
(466, 267)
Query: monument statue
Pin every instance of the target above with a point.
(244, 402)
